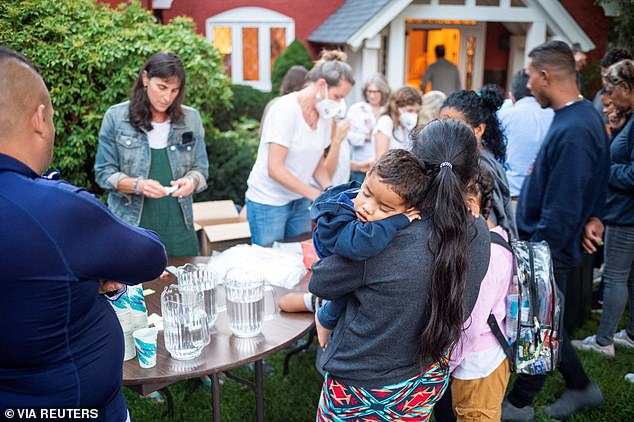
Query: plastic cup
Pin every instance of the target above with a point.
(127, 325)
(145, 342)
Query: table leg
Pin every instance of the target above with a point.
(215, 397)
(298, 349)
(259, 391)
(170, 401)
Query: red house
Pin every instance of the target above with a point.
(487, 39)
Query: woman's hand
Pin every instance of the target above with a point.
(341, 130)
(151, 188)
(185, 186)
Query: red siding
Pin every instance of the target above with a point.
(593, 21)
(496, 58)
(308, 15)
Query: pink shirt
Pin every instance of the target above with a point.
(477, 335)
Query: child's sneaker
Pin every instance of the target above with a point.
(590, 343)
(623, 339)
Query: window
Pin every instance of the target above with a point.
(250, 39)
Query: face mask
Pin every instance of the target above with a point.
(407, 119)
(326, 107)
(341, 113)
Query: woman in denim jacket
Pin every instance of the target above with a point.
(151, 156)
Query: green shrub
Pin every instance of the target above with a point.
(295, 54)
(231, 157)
(90, 55)
(247, 102)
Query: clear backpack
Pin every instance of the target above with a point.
(534, 310)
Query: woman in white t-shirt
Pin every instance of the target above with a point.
(296, 131)
(393, 127)
(363, 117)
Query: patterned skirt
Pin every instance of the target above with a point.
(410, 400)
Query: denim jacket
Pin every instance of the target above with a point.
(125, 151)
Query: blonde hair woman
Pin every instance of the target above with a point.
(295, 133)
(432, 102)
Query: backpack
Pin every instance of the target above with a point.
(534, 310)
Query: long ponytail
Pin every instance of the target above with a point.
(448, 149)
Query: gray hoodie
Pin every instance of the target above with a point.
(375, 342)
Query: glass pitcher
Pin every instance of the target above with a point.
(246, 293)
(193, 278)
(185, 327)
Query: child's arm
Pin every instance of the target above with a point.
(358, 241)
(293, 302)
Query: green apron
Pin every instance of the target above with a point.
(164, 215)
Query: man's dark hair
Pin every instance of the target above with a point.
(615, 55)
(440, 51)
(554, 55)
(404, 173)
(7, 53)
(518, 85)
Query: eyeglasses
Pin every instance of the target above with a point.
(372, 91)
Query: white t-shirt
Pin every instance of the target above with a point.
(342, 174)
(157, 137)
(362, 122)
(399, 137)
(284, 124)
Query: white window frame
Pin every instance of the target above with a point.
(251, 17)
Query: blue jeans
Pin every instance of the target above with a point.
(618, 277)
(269, 223)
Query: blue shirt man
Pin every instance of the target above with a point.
(525, 125)
(62, 345)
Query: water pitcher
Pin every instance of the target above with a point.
(185, 325)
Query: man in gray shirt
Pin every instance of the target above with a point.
(442, 74)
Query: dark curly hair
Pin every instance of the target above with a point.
(481, 108)
(482, 188)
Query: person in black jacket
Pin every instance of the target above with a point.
(562, 203)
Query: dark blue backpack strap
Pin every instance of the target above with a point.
(497, 332)
(499, 240)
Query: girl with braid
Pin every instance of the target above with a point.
(480, 369)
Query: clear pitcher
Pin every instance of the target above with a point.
(185, 327)
(246, 293)
(193, 278)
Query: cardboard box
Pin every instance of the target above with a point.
(219, 226)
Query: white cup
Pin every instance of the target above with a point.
(127, 325)
(145, 342)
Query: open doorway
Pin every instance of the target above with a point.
(420, 50)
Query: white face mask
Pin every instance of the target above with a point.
(341, 114)
(326, 107)
(407, 119)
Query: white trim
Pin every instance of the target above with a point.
(563, 25)
(162, 4)
(549, 11)
(263, 20)
(371, 28)
(535, 36)
(250, 15)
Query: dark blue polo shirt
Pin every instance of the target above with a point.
(62, 345)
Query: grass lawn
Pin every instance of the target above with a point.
(294, 398)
